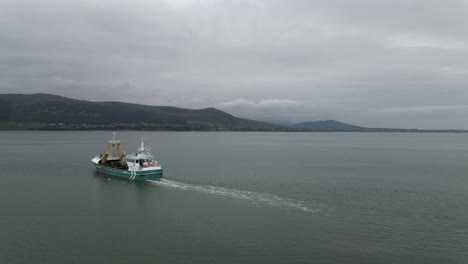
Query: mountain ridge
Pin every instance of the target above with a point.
(46, 111)
(53, 112)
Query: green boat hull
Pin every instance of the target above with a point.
(131, 175)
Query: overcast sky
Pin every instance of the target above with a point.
(393, 63)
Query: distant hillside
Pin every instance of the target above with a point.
(335, 126)
(328, 125)
(45, 111)
(277, 122)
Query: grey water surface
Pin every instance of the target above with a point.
(237, 198)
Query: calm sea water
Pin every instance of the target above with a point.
(237, 198)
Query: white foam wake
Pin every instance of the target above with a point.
(255, 197)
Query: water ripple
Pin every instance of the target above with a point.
(256, 197)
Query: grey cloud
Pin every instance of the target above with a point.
(349, 60)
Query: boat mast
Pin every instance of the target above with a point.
(142, 145)
(113, 149)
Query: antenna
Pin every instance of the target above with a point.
(113, 136)
(142, 147)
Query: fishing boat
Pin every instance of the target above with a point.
(139, 166)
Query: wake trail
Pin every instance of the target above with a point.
(256, 197)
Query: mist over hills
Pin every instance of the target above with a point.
(53, 112)
(328, 125)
